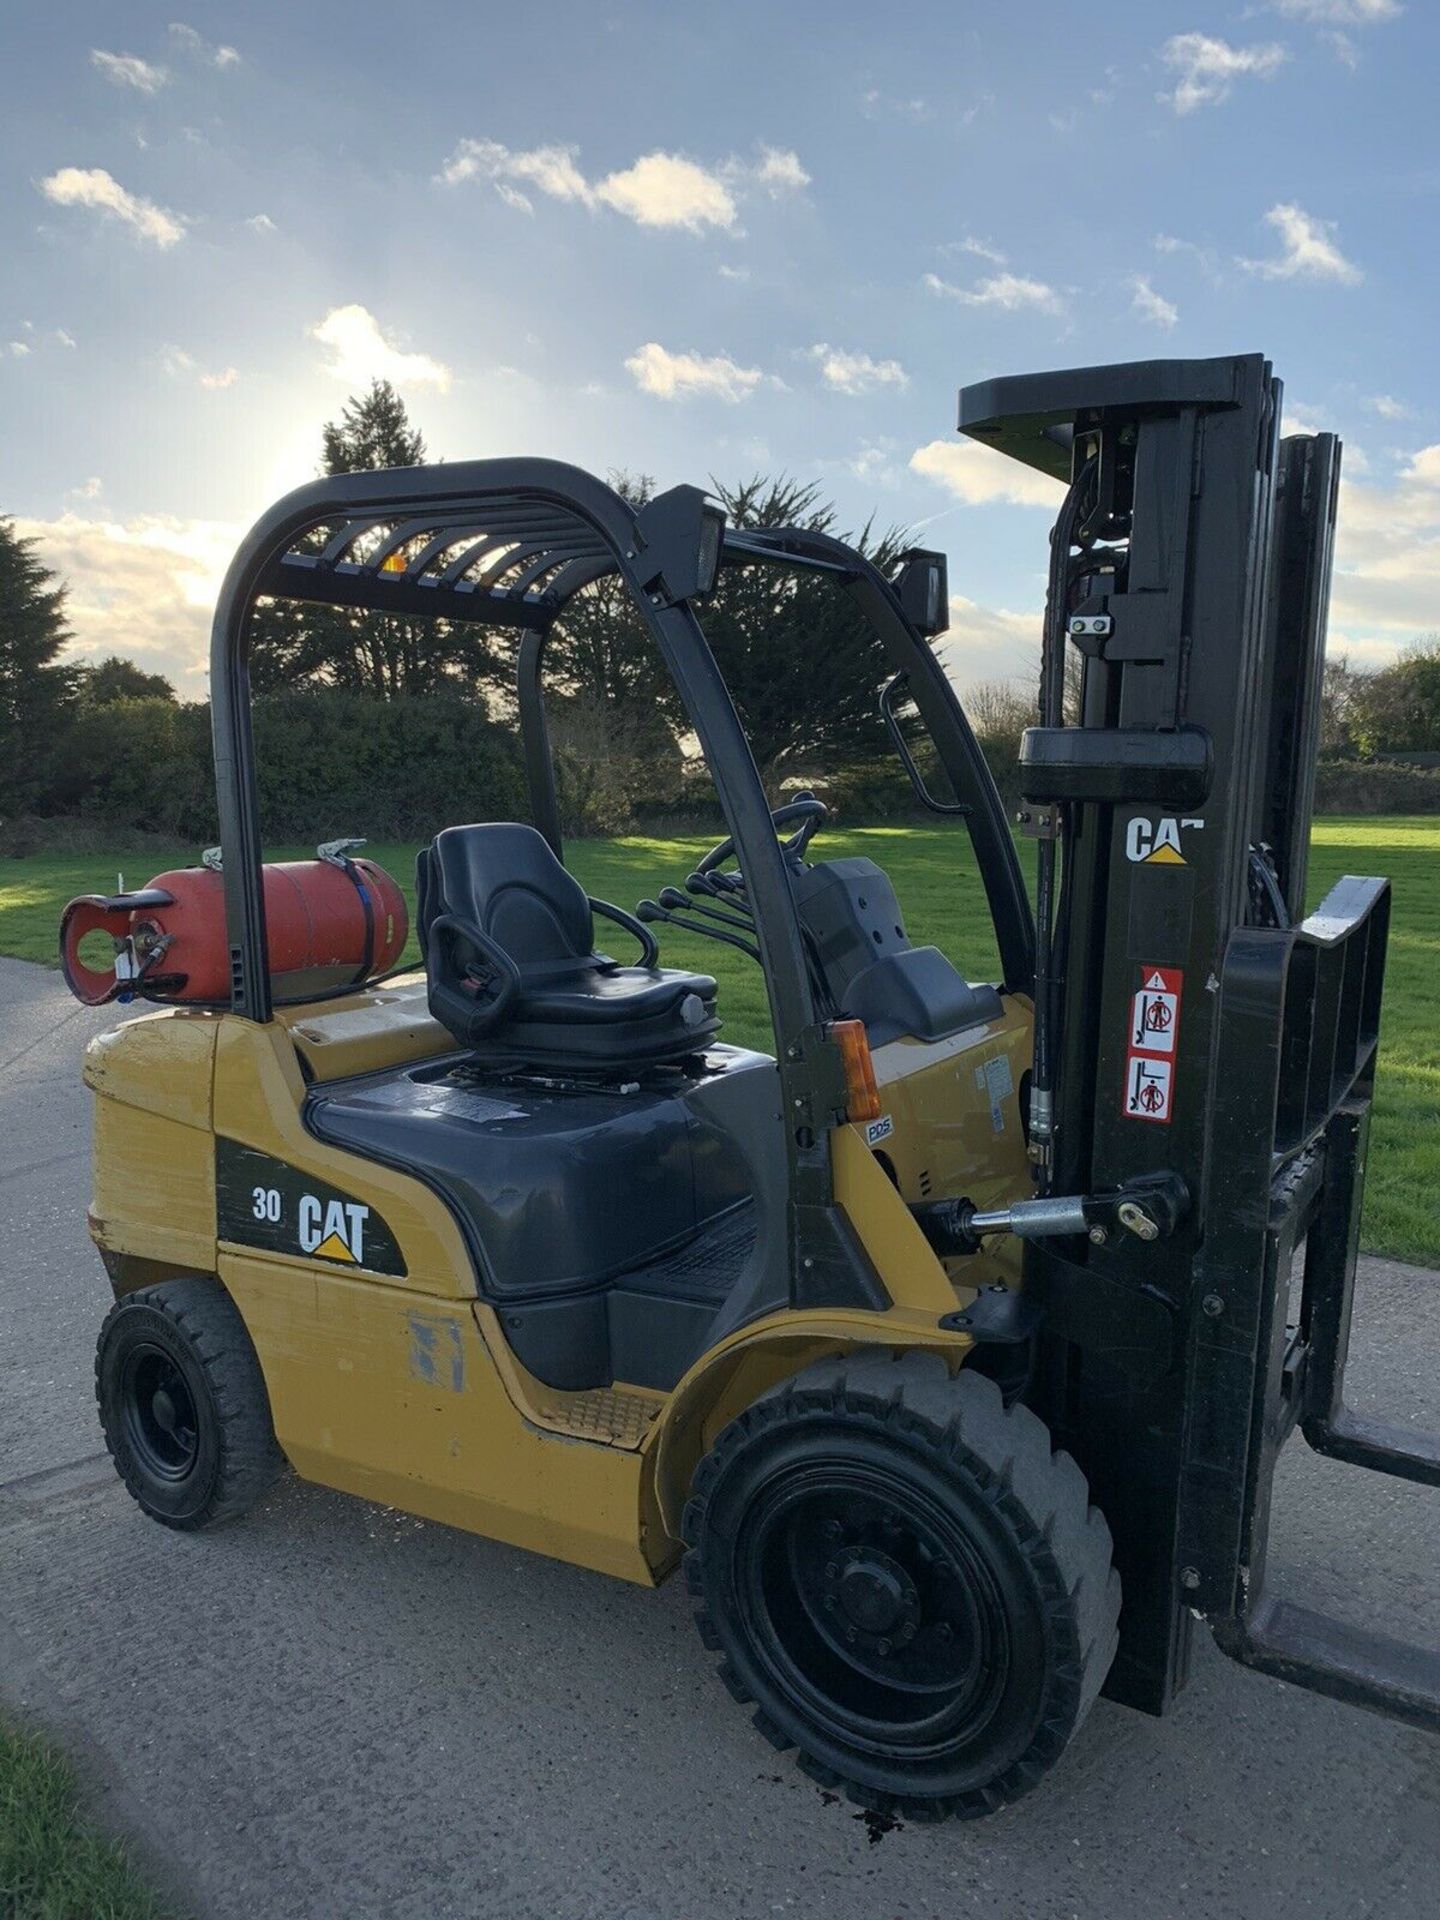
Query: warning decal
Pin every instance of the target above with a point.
(1150, 1043)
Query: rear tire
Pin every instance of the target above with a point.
(183, 1404)
(911, 1588)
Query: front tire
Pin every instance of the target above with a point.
(183, 1404)
(906, 1582)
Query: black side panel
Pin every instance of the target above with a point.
(609, 1224)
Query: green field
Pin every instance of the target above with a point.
(940, 892)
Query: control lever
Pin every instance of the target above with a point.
(652, 910)
(675, 901)
(718, 883)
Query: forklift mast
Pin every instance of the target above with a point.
(1198, 1025)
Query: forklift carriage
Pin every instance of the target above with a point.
(950, 1345)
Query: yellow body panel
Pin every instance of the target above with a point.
(404, 1389)
(259, 1090)
(398, 1400)
(363, 1032)
(954, 1107)
(154, 1180)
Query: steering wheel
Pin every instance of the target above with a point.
(809, 811)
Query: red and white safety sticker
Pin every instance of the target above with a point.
(1150, 1044)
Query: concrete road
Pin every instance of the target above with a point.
(333, 1709)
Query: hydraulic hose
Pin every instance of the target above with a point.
(1052, 714)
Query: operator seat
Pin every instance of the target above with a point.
(509, 944)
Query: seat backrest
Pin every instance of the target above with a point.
(504, 878)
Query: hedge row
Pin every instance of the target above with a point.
(333, 763)
(325, 764)
(1376, 786)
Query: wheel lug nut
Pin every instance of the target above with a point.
(831, 1602)
(882, 1647)
(945, 1630)
(832, 1530)
(832, 1570)
(852, 1633)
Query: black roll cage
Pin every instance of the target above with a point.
(509, 543)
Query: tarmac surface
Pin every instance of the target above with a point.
(334, 1709)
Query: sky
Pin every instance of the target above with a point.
(690, 242)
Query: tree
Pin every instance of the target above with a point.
(800, 659)
(1341, 686)
(36, 691)
(1397, 710)
(602, 661)
(370, 434)
(300, 644)
(114, 679)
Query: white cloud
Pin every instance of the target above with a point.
(261, 223)
(1150, 305)
(90, 489)
(182, 365)
(359, 352)
(30, 337)
(978, 475)
(1208, 68)
(779, 171)
(1388, 407)
(93, 187)
(201, 49)
(1010, 291)
(675, 376)
(981, 249)
(873, 465)
(1340, 13)
(987, 643)
(666, 190)
(127, 70)
(145, 588)
(657, 190)
(856, 372)
(1386, 588)
(733, 273)
(1309, 250)
(874, 103)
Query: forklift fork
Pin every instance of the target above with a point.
(1298, 1029)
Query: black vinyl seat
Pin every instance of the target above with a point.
(509, 943)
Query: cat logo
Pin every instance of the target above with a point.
(333, 1230)
(1156, 843)
(265, 1203)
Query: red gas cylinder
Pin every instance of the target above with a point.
(327, 922)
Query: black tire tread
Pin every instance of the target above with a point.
(205, 1316)
(1043, 1492)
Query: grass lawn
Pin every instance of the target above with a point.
(53, 1866)
(940, 892)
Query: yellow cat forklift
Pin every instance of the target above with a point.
(948, 1346)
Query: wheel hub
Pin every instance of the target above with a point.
(875, 1598)
(161, 1419)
